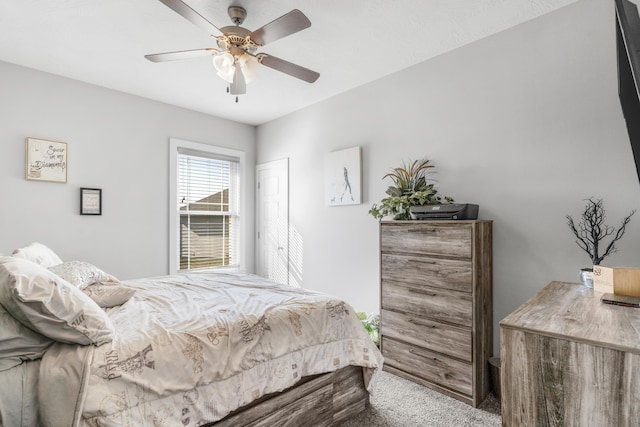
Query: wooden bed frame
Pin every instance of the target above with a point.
(319, 401)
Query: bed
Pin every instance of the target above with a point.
(80, 348)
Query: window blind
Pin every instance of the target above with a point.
(208, 208)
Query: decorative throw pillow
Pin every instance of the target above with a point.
(18, 343)
(50, 305)
(81, 274)
(107, 296)
(38, 253)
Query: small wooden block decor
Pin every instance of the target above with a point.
(617, 280)
(46, 160)
(602, 279)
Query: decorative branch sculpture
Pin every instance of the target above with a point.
(591, 230)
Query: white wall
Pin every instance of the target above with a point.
(117, 142)
(525, 123)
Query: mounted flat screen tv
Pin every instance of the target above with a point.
(628, 45)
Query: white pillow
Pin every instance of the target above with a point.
(50, 305)
(81, 274)
(107, 296)
(38, 253)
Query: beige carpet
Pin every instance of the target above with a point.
(397, 402)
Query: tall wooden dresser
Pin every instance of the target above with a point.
(436, 304)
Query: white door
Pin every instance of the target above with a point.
(273, 220)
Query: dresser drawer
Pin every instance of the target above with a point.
(456, 274)
(428, 365)
(432, 303)
(447, 339)
(427, 239)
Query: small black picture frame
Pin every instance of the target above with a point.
(90, 201)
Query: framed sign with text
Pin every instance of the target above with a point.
(90, 201)
(46, 160)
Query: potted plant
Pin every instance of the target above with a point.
(590, 232)
(371, 324)
(411, 187)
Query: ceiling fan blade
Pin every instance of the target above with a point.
(183, 54)
(238, 86)
(287, 24)
(288, 68)
(192, 16)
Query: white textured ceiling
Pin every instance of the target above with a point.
(350, 42)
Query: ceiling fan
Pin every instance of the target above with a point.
(236, 59)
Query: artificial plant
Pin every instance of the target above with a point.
(371, 324)
(411, 187)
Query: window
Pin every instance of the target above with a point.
(205, 205)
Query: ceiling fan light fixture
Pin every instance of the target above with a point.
(238, 85)
(224, 64)
(249, 66)
(228, 75)
(236, 60)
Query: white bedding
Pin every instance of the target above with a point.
(18, 398)
(191, 348)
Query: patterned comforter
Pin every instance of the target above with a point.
(191, 348)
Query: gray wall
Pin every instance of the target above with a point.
(117, 142)
(525, 123)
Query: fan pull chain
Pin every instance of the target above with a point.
(236, 99)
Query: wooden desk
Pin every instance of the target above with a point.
(570, 360)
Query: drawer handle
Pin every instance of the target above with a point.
(422, 230)
(423, 292)
(412, 351)
(421, 261)
(415, 322)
